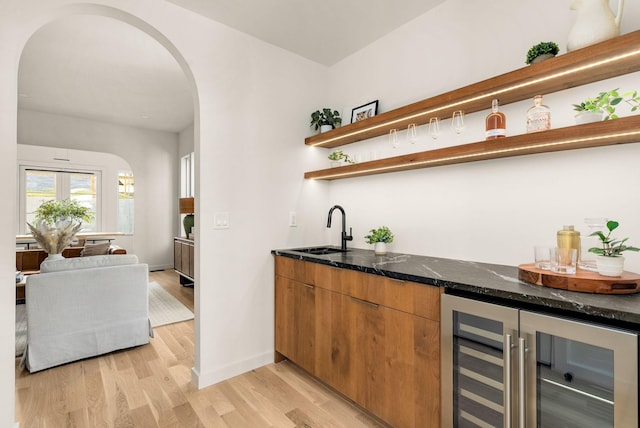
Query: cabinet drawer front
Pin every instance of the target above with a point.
(298, 270)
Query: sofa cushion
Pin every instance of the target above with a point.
(100, 249)
(87, 262)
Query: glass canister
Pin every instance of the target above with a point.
(568, 237)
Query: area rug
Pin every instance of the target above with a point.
(163, 309)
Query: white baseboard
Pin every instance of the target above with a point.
(203, 380)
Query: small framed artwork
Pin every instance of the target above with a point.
(364, 112)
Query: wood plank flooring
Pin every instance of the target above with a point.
(150, 386)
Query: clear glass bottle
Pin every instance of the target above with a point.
(496, 123)
(538, 116)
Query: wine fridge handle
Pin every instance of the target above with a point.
(506, 351)
(521, 386)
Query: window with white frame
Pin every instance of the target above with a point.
(39, 185)
(187, 176)
(125, 202)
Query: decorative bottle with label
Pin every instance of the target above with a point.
(538, 116)
(496, 123)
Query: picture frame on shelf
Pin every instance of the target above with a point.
(365, 111)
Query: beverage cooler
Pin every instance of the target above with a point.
(506, 367)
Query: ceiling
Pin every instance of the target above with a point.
(101, 69)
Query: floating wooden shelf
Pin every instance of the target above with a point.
(582, 281)
(619, 131)
(614, 57)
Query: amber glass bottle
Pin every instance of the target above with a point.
(496, 123)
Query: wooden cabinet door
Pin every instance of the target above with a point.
(388, 361)
(177, 256)
(295, 318)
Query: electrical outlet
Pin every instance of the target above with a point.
(292, 219)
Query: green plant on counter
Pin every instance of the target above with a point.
(542, 48)
(338, 155)
(606, 103)
(610, 246)
(381, 234)
(325, 117)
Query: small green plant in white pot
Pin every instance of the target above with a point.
(542, 51)
(380, 237)
(339, 158)
(603, 106)
(325, 119)
(609, 260)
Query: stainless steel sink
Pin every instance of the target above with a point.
(320, 250)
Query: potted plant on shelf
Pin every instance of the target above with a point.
(380, 237)
(603, 106)
(339, 158)
(325, 119)
(542, 51)
(56, 225)
(609, 260)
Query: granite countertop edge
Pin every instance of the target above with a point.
(484, 281)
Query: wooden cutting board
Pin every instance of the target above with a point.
(582, 281)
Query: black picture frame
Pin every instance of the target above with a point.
(365, 111)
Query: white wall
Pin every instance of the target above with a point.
(492, 211)
(252, 107)
(153, 157)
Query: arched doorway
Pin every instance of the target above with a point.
(121, 16)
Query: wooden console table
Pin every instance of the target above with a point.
(183, 260)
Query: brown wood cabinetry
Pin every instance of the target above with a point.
(183, 259)
(374, 339)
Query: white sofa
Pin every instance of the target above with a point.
(85, 306)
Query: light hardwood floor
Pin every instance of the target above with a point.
(149, 386)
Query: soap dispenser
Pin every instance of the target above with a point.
(568, 237)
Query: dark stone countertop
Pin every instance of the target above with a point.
(483, 281)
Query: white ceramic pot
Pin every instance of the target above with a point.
(595, 23)
(588, 117)
(380, 248)
(610, 266)
(57, 256)
(325, 128)
(542, 57)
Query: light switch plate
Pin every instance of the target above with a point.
(292, 219)
(221, 220)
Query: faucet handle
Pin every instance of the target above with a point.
(349, 237)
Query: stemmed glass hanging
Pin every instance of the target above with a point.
(393, 138)
(434, 127)
(412, 133)
(457, 121)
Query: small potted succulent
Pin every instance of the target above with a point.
(339, 158)
(609, 260)
(603, 106)
(325, 119)
(542, 51)
(380, 237)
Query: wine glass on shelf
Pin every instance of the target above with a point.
(457, 121)
(393, 138)
(412, 133)
(434, 127)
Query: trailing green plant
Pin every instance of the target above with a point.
(606, 103)
(381, 234)
(325, 117)
(541, 49)
(338, 155)
(51, 212)
(611, 247)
